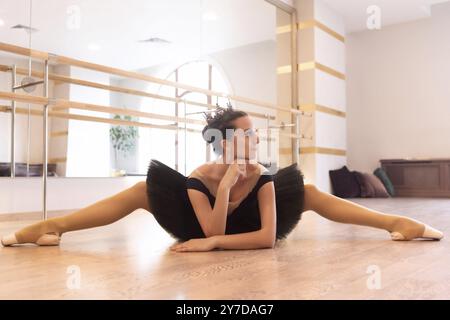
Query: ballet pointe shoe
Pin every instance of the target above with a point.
(9, 240)
(44, 240)
(428, 233)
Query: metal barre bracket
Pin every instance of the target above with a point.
(30, 84)
(52, 101)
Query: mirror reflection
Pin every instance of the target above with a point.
(230, 47)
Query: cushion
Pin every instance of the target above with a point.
(344, 183)
(380, 190)
(382, 175)
(367, 190)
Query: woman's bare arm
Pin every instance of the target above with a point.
(263, 238)
(212, 220)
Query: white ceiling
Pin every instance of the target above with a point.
(109, 30)
(392, 11)
(115, 26)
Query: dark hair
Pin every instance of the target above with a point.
(221, 119)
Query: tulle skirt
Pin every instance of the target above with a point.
(170, 205)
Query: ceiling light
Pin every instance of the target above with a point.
(28, 29)
(155, 40)
(94, 47)
(209, 16)
(2, 23)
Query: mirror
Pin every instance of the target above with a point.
(233, 47)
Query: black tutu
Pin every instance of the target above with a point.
(170, 205)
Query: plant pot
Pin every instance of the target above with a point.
(118, 173)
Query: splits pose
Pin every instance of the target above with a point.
(230, 203)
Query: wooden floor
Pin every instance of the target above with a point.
(320, 260)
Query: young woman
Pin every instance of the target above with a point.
(233, 202)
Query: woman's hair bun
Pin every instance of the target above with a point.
(220, 119)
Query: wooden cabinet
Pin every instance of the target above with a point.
(419, 178)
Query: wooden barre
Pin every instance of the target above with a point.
(65, 79)
(59, 104)
(24, 98)
(131, 74)
(97, 85)
(72, 116)
(62, 105)
(139, 76)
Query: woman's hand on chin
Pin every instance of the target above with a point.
(195, 245)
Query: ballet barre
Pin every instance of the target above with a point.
(57, 59)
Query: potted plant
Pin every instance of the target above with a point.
(123, 138)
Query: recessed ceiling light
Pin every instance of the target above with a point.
(155, 40)
(2, 23)
(26, 28)
(94, 47)
(209, 16)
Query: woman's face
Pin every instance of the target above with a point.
(245, 140)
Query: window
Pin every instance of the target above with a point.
(183, 151)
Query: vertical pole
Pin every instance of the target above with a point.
(268, 139)
(13, 123)
(294, 88)
(45, 143)
(28, 139)
(177, 134)
(297, 138)
(209, 102)
(185, 137)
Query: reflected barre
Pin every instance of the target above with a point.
(79, 117)
(91, 84)
(53, 58)
(61, 104)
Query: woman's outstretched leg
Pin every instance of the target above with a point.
(98, 214)
(344, 211)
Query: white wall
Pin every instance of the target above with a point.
(397, 89)
(252, 73)
(88, 150)
(320, 88)
(25, 194)
(251, 70)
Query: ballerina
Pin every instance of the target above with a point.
(233, 202)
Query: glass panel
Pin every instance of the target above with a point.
(227, 46)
